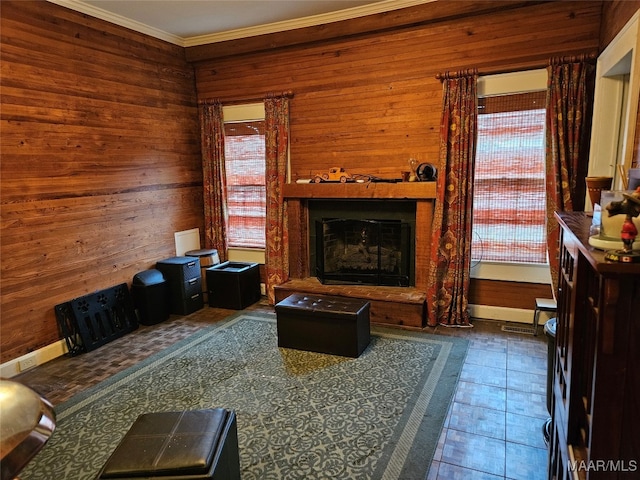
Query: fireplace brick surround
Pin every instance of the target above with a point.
(396, 306)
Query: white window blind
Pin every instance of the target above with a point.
(246, 187)
(509, 180)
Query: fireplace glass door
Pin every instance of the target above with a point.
(372, 252)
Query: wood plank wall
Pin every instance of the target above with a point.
(371, 102)
(614, 17)
(100, 161)
(100, 143)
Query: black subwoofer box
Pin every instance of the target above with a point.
(233, 285)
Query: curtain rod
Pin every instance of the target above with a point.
(585, 57)
(457, 74)
(210, 101)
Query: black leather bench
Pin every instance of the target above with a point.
(324, 324)
(188, 445)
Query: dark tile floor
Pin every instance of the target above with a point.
(494, 426)
(493, 430)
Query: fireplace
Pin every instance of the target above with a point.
(362, 242)
(410, 202)
(373, 252)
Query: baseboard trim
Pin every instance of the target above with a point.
(33, 359)
(516, 315)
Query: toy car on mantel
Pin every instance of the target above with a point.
(335, 174)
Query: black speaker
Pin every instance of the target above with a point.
(426, 172)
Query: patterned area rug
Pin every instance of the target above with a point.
(301, 415)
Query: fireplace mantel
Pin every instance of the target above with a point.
(394, 307)
(380, 190)
(298, 196)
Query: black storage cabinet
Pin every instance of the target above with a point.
(185, 284)
(150, 294)
(208, 258)
(233, 285)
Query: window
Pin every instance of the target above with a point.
(244, 130)
(509, 180)
(509, 216)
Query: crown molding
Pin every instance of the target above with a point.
(80, 6)
(346, 14)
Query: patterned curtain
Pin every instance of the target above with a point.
(214, 178)
(449, 269)
(569, 110)
(277, 153)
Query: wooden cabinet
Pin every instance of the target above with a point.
(596, 388)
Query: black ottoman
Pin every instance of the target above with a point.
(323, 324)
(189, 445)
